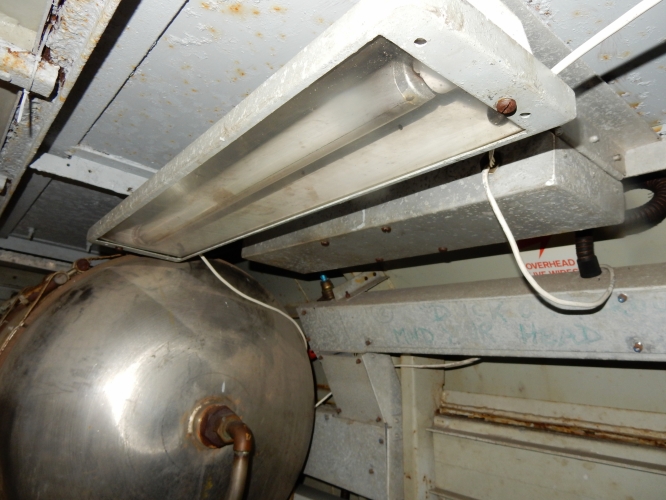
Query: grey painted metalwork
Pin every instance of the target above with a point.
(81, 25)
(545, 187)
(500, 318)
(601, 112)
(304, 492)
(349, 454)
(367, 391)
(147, 23)
(33, 262)
(358, 284)
(33, 188)
(48, 250)
(89, 172)
(99, 391)
(646, 159)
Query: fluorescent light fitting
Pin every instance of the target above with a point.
(393, 89)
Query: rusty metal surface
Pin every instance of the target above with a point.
(562, 425)
(137, 385)
(80, 24)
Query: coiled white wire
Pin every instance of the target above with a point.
(556, 302)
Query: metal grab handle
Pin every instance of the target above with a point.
(220, 426)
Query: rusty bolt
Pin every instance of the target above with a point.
(506, 106)
(320, 357)
(378, 419)
(386, 229)
(358, 361)
(338, 410)
(622, 298)
(82, 265)
(303, 312)
(368, 342)
(379, 259)
(347, 295)
(371, 471)
(325, 243)
(638, 346)
(442, 249)
(381, 441)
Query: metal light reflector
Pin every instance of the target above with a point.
(393, 89)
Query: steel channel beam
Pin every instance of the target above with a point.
(501, 318)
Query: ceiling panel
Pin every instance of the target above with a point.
(211, 57)
(633, 60)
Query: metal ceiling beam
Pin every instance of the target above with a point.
(81, 24)
(16, 67)
(44, 249)
(90, 172)
(31, 261)
(500, 318)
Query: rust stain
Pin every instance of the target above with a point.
(259, 34)
(605, 57)
(236, 8)
(657, 128)
(635, 105)
(625, 54)
(194, 90)
(277, 8)
(256, 12)
(319, 20)
(559, 425)
(205, 5)
(240, 72)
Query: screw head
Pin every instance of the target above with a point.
(622, 298)
(325, 243)
(386, 229)
(638, 346)
(506, 106)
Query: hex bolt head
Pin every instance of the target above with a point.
(506, 106)
(638, 346)
(622, 298)
(386, 229)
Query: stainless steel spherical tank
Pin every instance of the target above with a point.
(101, 388)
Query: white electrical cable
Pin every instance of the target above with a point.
(559, 303)
(323, 400)
(608, 31)
(255, 301)
(453, 364)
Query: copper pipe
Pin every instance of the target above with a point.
(219, 426)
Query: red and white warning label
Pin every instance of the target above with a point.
(546, 259)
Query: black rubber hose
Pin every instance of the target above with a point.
(588, 264)
(654, 211)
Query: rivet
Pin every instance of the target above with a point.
(442, 249)
(378, 419)
(386, 229)
(303, 312)
(381, 441)
(506, 106)
(358, 361)
(638, 346)
(368, 342)
(371, 471)
(325, 243)
(622, 298)
(379, 259)
(338, 410)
